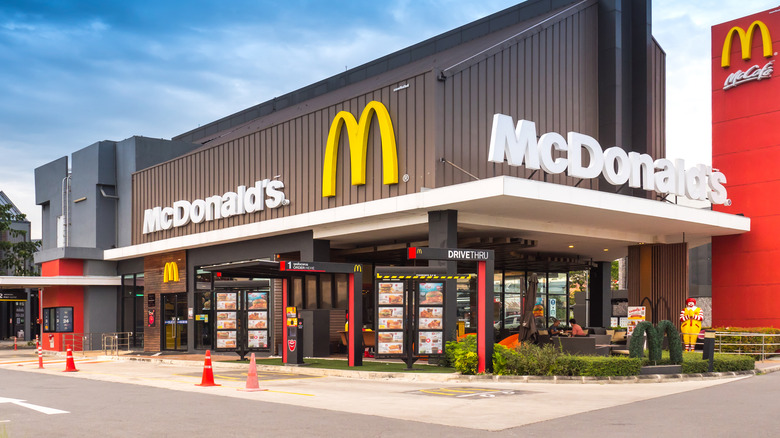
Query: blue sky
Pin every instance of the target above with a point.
(77, 72)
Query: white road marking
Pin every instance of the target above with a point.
(43, 409)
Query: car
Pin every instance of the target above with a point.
(510, 322)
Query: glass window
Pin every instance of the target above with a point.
(342, 290)
(467, 296)
(556, 297)
(326, 291)
(514, 284)
(578, 296)
(540, 306)
(297, 292)
(311, 292)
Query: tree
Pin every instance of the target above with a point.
(16, 251)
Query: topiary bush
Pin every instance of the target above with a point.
(655, 338)
(534, 360)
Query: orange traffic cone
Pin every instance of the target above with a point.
(40, 356)
(251, 377)
(208, 373)
(69, 364)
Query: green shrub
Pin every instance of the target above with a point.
(600, 366)
(501, 357)
(533, 360)
(458, 355)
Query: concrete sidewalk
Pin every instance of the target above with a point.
(228, 361)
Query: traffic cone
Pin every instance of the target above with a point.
(40, 356)
(208, 373)
(251, 377)
(70, 366)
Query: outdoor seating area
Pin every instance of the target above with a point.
(598, 341)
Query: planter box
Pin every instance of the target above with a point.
(660, 369)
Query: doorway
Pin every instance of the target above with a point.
(175, 321)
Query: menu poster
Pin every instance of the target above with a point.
(636, 314)
(257, 300)
(226, 320)
(391, 312)
(431, 343)
(430, 324)
(226, 301)
(257, 320)
(391, 323)
(226, 339)
(258, 339)
(391, 293)
(431, 293)
(390, 343)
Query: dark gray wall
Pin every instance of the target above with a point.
(700, 271)
(99, 313)
(92, 220)
(100, 172)
(48, 193)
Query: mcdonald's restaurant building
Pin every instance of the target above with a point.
(536, 132)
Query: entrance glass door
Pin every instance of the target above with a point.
(175, 321)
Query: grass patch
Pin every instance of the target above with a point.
(341, 364)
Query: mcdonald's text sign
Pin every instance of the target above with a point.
(357, 135)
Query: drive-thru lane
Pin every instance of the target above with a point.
(408, 400)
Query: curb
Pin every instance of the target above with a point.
(454, 377)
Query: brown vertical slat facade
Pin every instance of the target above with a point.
(546, 73)
(277, 312)
(658, 279)
(154, 284)
(552, 68)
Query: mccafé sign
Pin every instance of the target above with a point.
(519, 145)
(265, 193)
(745, 37)
(357, 133)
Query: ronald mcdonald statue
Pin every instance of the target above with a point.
(691, 318)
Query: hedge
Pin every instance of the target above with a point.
(529, 359)
(602, 366)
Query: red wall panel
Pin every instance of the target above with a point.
(746, 148)
(62, 267)
(63, 296)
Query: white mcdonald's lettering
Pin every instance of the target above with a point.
(265, 193)
(519, 146)
(755, 73)
(466, 254)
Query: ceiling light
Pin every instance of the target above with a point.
(571, 246)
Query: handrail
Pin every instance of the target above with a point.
(113, 342)
(751, 347)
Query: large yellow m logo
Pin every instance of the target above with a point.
(358, 145)
(746, 39)
(171, 272)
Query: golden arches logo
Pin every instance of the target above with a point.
(171, 272)
(746, 40)
(357, 133)
(357, 268)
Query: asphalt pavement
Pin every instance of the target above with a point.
(432, 399)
